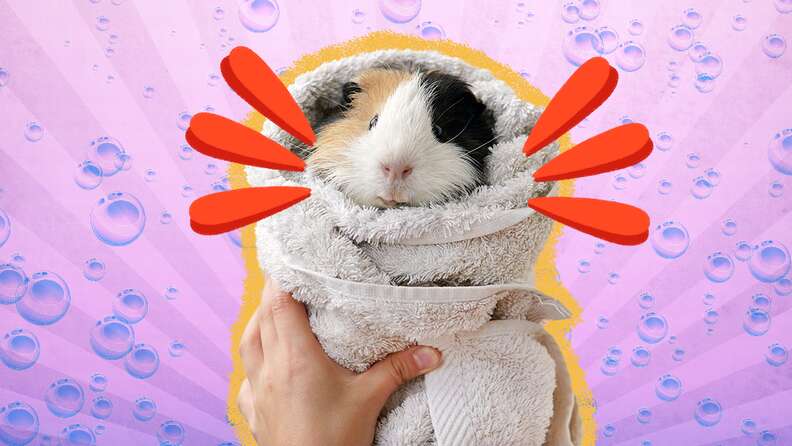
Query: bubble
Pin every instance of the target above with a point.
(779, 152)
(610, 366)
(630, 56)
(148, 92)
(16, 258)
(176, 348)
(701, 188)
(718, 267)
(608, 430)
(47, 300)
(19, 424)
(145, 409)
(678, 354)
(150, 175)
(619, 181)
(709, 299)
(588, 9)
(183, 120)
(584, 266)
(123, 161)
(19, 349)
(774, 46)
(625, 120)
(766, 438)
(570, 12)
(674, 80)
(219, 186)
(614, 351)
(599, 247)
(102, 407)
(259, 15)
(218, 13)
(88, 175)
(186, 152)
(94, 269)
(670, 239)
(65, 397)
(103, 152)
(638, 170)
(5, 226)
(729, 227)
(761, 301)
(742, 251)
(710, 64)
(102, 23)
(98, 382)
(130, 306)
(776, 189)
(748, 426)
(680, 38)
(692, 160)
(13, 283)
(739, 22)
(783, 287)
(602, 322)
(652, 328)
(644, 415)
(697, 51)
(708, 412)
(171, 293)
(142, 362)
(635, 27)
(171, 433)
(109, 52)
(783, 6)
(399, 11)
(756, 321)
(704, 83)
(4, 77)
(646, 301)
(580, 45)
(431, 31)
(664, 187)
(711, 316)
(166, 217)
(112, 338)
(613, 278)
(210, 169)
(118, 219)
(187, 190)
(358, 16)
(33, 131)
(608, 38)
(77, 435)
(668, 388)
(100, 429)
(776, 355)
(672, 340)
(769, 261)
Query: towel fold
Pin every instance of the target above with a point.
(376, 281)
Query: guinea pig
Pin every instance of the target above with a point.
(405, 138)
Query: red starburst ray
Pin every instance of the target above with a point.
(222, 138)
(615, 222)
(581, 94)
(255, 82)
(225, 211)
(614, 149)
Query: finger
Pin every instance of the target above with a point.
(250, 349)
(269, 337)
(245, 402)
(384, 377)
(290, 319)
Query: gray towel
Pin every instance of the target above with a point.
(454, 275)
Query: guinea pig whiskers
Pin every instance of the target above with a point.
(482, 145)
(460, 132)
(450, 107)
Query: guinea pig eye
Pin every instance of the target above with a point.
(373, 121)
(438, 131)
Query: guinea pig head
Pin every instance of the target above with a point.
(404, 139)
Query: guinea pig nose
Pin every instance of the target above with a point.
(396, 172)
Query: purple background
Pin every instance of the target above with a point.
(61, 75)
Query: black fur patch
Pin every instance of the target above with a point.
(460, 118)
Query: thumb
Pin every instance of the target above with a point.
(384, 377)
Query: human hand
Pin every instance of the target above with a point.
(295, 394)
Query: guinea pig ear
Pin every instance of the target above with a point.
(347, 90)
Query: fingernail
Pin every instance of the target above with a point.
(426, 358)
